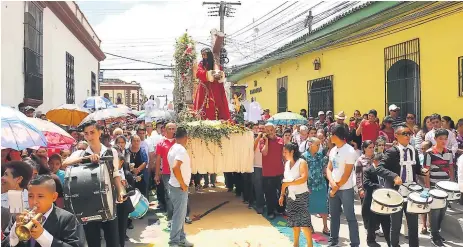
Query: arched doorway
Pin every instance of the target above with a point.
(403, 78)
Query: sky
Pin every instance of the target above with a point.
(146, 30)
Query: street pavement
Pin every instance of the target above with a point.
(233, 224)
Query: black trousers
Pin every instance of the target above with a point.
(123, 211)
(248, 189)
(238, 180)
(229, 180)
(372, 222)
(272, 191)
(396, 224)
(111, 231)
(161, 195)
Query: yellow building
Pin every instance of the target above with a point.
(121, 92)
(381, 53)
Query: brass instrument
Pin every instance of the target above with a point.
(23, 231)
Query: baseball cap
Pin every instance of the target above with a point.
(328, 112)
(393, 107)
(321, 113)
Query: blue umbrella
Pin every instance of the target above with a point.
(284, 118)
(18, 132)
(98, 103)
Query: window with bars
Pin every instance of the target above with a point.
(33, 51)
(320, 94)
(133, 99)
(93, 83)
(460, 76)
(402, 75)
(282, 94)
(70, 84)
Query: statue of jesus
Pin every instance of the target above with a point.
(210, 99)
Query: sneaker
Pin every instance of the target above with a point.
(271, 216)
(205, 186)
(437, 242)
(188, 220)
(130, 225)
(442, 239)
(379, 233)
(169, 224)
(185, 243)
(213, 185)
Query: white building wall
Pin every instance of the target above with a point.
(57, 40)
(12, 58)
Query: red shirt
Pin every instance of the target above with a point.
(272, 163)
(163, 149)
(370, 131)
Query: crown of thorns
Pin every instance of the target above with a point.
(206, 50)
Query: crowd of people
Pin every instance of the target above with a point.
(315, 169)
(142, 158)
(318, 169)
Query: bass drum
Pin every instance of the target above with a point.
(386, 201)
(88, 192)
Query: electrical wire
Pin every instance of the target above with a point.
(137, 60)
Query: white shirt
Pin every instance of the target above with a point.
(257, 157)
(255, 112)
(103, 149)
(45, 240)
(178, 152)
(153, 140)
(452, 143)
(339, 157)
(293, 173)
(460, 172)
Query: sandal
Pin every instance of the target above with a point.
(327, 232)
(424, 231)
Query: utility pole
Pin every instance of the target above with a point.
(162, 96)
(222, 9)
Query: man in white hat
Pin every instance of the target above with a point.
(321, 122)
(394, 112)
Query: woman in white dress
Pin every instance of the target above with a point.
(297, 203)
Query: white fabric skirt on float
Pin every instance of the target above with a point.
(236, 154)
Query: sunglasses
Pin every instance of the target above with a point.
(395, 110)
(405, 134)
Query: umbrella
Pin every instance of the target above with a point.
(56, 136)
(97, 103)
(67, 114)
(138, 113)
(287, 118)
(18, 132)
(105, 114)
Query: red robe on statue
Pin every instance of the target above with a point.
(210, 99)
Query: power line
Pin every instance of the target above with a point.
(133, 59)
(259, 18)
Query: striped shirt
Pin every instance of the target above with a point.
(438, 164)
(396, 122)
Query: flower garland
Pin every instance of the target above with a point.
(212, 131)
(185, 58)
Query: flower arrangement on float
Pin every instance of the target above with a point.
(208, 131)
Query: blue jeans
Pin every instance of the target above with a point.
(169, 206)
(179, 199)
(346, 199)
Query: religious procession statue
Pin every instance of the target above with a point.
(210, 101)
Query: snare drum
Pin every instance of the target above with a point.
(451, 188)
(386, 201)
(439, 199)
(405, 190)
(141, 205)
(417, 204)
(88, 192)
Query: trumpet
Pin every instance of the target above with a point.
(23, 231)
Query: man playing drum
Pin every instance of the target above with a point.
(92, 133)
(441, 160)
(401, 165)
